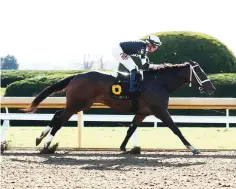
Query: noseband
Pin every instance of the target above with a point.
(193, 72)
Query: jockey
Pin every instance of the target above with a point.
(125, 50)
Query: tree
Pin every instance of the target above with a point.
(87, 63)
(9, 63)
(101, 63)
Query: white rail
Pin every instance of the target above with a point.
(114, 118)
(174, 103)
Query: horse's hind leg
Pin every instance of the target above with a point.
(57, 124)
(49, 127)
(73, 107)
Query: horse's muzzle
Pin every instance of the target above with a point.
(201, 89)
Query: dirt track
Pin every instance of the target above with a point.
(167, 170)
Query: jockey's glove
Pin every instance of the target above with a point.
(146, 66)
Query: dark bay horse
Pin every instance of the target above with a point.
(84, 89)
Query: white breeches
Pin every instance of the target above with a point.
(127, 61)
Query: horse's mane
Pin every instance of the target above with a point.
(168, 66)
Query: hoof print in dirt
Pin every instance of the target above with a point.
(50, 150)
(5, 145)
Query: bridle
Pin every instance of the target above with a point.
(192, 72)
(198, 79)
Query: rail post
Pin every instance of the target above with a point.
(80, 125)
(227, 119)
(6, 123)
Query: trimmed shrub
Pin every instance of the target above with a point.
(210, 53)
(10, 76)
(225, 87)
(32, 86)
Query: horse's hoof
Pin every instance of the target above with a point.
(125, 152)
(123, 149)
(45, 151)
(196, 152)
(2, 147)
(38, 141)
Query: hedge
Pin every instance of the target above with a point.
(225, 86)
(210, 53)
(32, 86)
(10, 76)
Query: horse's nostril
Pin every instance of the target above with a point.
(201, 90)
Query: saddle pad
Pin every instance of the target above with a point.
(120, 90)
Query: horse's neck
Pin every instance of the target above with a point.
(170, 79)
(174, 83)
(181, 78)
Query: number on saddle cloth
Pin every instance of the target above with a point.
(120, 88)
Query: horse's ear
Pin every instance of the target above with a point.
(193, 63)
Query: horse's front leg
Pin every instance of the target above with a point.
(164, 115)
(133, 126)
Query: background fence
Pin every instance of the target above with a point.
(174, 103)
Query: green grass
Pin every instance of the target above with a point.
(2, 91)
(202, 138)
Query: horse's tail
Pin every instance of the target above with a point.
(54, 88)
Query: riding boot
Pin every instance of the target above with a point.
(133, 81)
(134, 89)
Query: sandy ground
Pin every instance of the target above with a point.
(83, 169)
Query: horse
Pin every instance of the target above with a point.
(85, 89)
